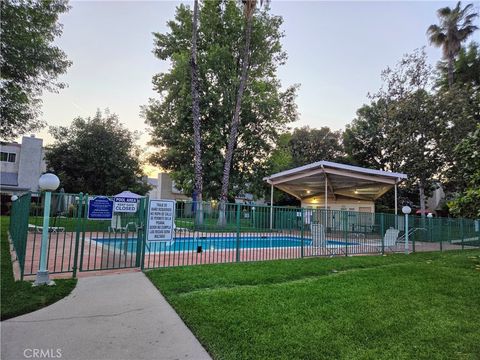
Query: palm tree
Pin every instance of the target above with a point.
(197, 135)
(455, 26)
(249, 9)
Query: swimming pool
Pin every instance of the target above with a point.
(215, 243)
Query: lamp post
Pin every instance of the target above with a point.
(48, 183)
(406, 210)
(430, 229)
(253, 215)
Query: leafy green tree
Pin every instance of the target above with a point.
(411, 131)
(363, 137)
(363, 141)
(310, 145)
(29, 61)
(457, 110)
(410, 128)
(249, 7)
(467, 204)
(280, 159)
(466, 68)
(97, 156)
(281, 156)
(456, 25)
(266, 109)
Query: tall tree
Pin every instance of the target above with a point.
(457, 111)
(310, 145)
(467, 202)
(97, 156)
(466, 68)
(29, 61)
(411, 131)
(456, 25)
(266, 108)
(197, 134)
(249, 7)
(363, 137)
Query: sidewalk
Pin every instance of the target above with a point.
(106, 317)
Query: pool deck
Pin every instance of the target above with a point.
(97, 257)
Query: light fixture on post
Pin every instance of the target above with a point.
(14, 198)
(48, 183)
(406, 210)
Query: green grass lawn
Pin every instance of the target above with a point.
(19, 297)
(421, 306)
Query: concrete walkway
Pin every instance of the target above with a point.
(106, 317)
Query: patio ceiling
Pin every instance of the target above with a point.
(340, 180)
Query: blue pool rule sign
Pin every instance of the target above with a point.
(100, 208)
(161, 215)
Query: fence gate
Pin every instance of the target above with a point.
(115, 243)
(75, 242)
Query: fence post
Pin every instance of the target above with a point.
(477, 228)
(77, 233)
(140, 230)
(449, 224)
(302, 232)
(462, 232)
(413, 232)
(382, 231)
(28, 202)
(430, 229)
(406, 234)
(22, 232)
(237, 257)
(16, 235)
(84, 215)
(414, 236)
(441, 234)
(345, 231)
(144, 226)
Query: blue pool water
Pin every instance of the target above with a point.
(214, 243)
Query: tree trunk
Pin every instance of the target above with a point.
(235, 124)
(197, 135)
(450, 70)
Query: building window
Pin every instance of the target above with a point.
(8, 157)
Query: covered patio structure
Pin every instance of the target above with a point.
(326, 184)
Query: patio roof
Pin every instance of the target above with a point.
(336, 180)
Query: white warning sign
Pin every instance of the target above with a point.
(161, 215)
(123, 204)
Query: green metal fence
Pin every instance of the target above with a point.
(254, 233)
(249, 233)
(76, 243)
(18, 228)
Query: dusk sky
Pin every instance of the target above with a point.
(336, 51)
